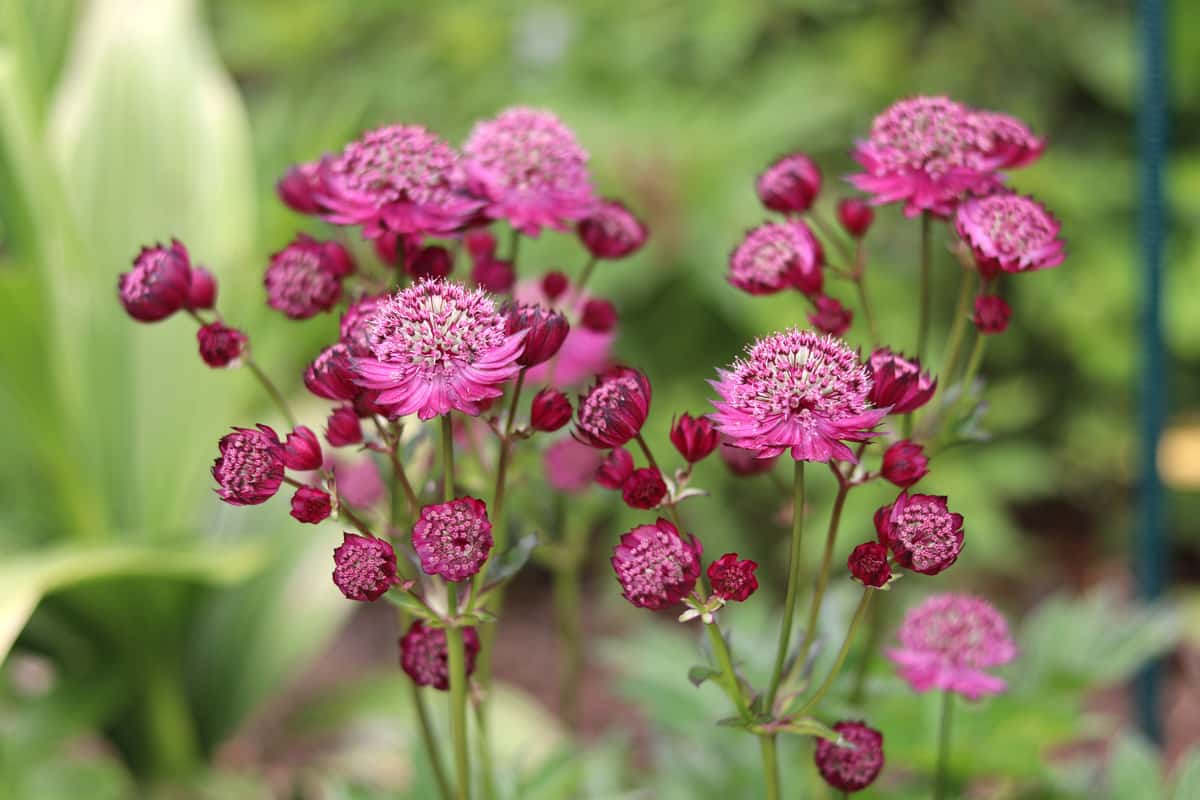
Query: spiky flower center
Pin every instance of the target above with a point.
(607, 399)
(1015, 225)
(247, 461)
(530, 150)
(933, 134)
(299, 279)
(927, 530)
(656, 560)
(398, 163)
(454, 533)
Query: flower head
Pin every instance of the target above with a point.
(947, 643)
(453, 539)
(343, 427)
(301, 450)
(904, 463)
(598, 315)
(311, 505)
(529, 169)
(830, 316)
(331, 375)
(733, 579)
(855, 765)
(299, 187)
(549, 410)
(554, 284)
(921, 531)
(569, 466)
(615, 469)
(158, 284)
(694, 437)
(898, 382)
(777, 256)
(220, 345)
(868, 564)
(353, 330)
(546, 331)
(614, 409)
(1006, 142)
(796, 390)
(611, 231)
(425, 659)
(655, 566)
(644, 488)
(305, 278)
(438, 347)
(992, 314)
(364, 567)
(1009, 232)
(250, 468)
(855, 216)
(790, 184)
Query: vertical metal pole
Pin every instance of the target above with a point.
(1150, 541)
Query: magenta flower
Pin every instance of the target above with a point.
(644, 489)
(299, 187)
(359, 482)
(549, 410)
(301, 450)
(424, 658)
(898, 382)
(1006, 142)
(311, 505)
(947, 643)
(401, 179)
(855, 765)
(777, 256)
(992, 314)
(790, 185)
(598, 315)
(202, 290)
(343, 427)
(530, 170)
(438, 347)
(614, 410)
(364, 567)
(158, 284)
(353, 330)
(331, 375)
(925, 151)
(554, 283)
(569, 466)
(546, 331)
(921, 531)
(615, 469)
(611, 231)
(830, 316)
(904, 463)
(855, 216)
(868, 564)
(733, 579)
(453, 539)
(796, 390)
(655, 566)
(220, 345)
(250, 468)
(584, 353)
(694, 437)
(1009, 232)
(305, 278)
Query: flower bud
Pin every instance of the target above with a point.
(364, 567)
(868, 564)
(311, 505)
(790, 184)
(694, 437)
(220, 345)
(599, 316)
(331, 375)
(615, 469)
(611, 231)
(905, 463)
(158, 284)
(854, 765)
(554, 283)
(731, 579)
(343, 427)
(898, 382)
(549, 411)
(431, 262)
(202, 291)
(991, 314)
(830, 315)
(855, 216)
(481, 245)
(546, 331)
(614, 409)
(494, 275)
(644, 488)
(302, 451)
(298, 187)
(424, 657)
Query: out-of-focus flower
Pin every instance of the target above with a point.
(430, 262)
(202, 290)
(1006, 142)
(853, 766)
(614, 409)
(364, 567)
(599, 315)
(790, 185)
(299, 186)
(855, 216)
(655, 566)
(777, 256)
(250, 468)
(549, 411)
(495, 275)
(744, 463)
(453, 539)
(425, 659)
(733, 579)
(992, 314)
(898, 382)
(569, 466)
(359, 482)
(1010, 233)
(830, 316)
(305, 278)
(158, 284)
(615, 469)
(611, 231)
(219, 344)
(554, 283)
(343, 427)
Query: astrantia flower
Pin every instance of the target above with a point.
(529, 169)
(948, 641)
(790, 184)
(853, 766)
(898, 382)
(158, 284)
(925, 151)
(202, 290)
(549, 410)
(545, 331)
(733, 579)
(694, 437)
(777, 256)
(655, 566)
(1009, 232)
(614, 409)
(611, 231)
(299, 186)
(644, 488)
(433, 261)
(343, 427)
(438, 347)
(904, 463)
(453, 539)
(311, 505)
(220, 345)
(992, 314)
(301, 450)
(250, 467)
(1006, 142)
(598, 315)
(921, 531)
(305, 278)
(364, 567)
(554, 283)
(830, 316)
(425, 659)
(855, 216)
(797, 390)
(615, 469)
(352, 329)
(868, 564)
(401, 179)
(331, 375)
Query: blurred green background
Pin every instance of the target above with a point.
(181, 644)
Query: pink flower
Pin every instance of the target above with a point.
(926, 151)
(311, 505)
(898, 382)
(529, 169)
(777, 256)
(301, 450)
(830, 316)
(202, 290)
(358, 481)
(992, 314)
(615, 469)
(904, 463)
(353, 330)
(331, 375)
(611, 231)
(453, 539)
(1005, 141)
(855, 216)
(424, 658)
(614, 410)
(789, 185)
(655, 566)
(250, 468)
(569, 465)
(694, 437)
(343, 427)
(438, 347)
(796, 390)
(220, 345)
(853, 766)
(644, 489)
(948, 642)
(401, 179)
(1009, 232)
(733, 579)
(158, 284)
(299, 186)
(921, 532)
(868, 564)
(549, 410)
(364, 567)
(305, 278)
(545, 331)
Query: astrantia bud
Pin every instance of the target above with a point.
(311, 505)
(615, 469)
(922, 533)
(655, 566)
(855, 765)
(778, 256)
(549, 411)
(343, 427)
(494, 275)
(905, 463)
(790, 184)
(991, 314)
(554, 283)
(644, 488)
(546, 331)
(599, 316)
(868, 564)
(855, 216)
(731, 579)
(481, 244)
(302, 451)
(158, 284)
(220, 345)
(305, 278)
(694, 437)
(425, 659)
(431, 262)
(331, 375)
(202, 290)
(453, 539)
(830, 316)
(250, 467)
(364, 567)
(611, 231)
(614, 409)
(898, 382)
(393, 248)
(298, 186)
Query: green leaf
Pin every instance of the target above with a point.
(1135, 772)
(510, 562)
(699, 673)
(807, 726)
(1186, 778)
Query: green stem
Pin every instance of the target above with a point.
(876, 622)
(447, 459)
(973, 364)
(400, 482)
(272, 390)
(841, 656)
(584, 277)
(483, 751)
(943, 758)
(672, 511)
(170, 730)
(957, 330)
(814, 608)
(430, 743)
(926, 283)
(457, 663)
(567, 609)
(514, 244)
(733, 686)
(770, 761)
(860, 284)
(789, 603)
